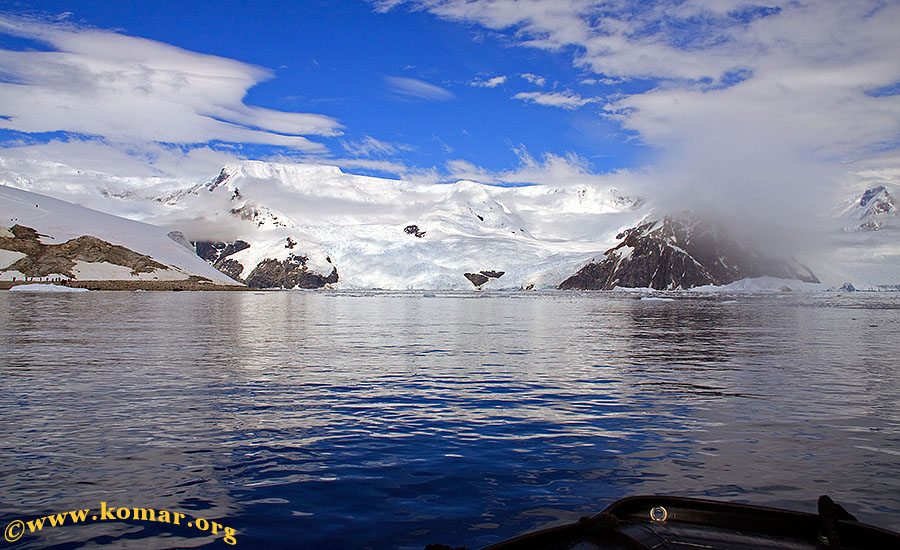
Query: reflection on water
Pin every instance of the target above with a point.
(316, 420)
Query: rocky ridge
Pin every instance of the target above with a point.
(876, 209)
(680, 252)
(44, 260)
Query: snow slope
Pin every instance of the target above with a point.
(536, 235)
(61, 221)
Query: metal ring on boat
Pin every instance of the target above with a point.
(658, 513)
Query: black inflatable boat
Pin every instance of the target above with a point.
(674, 523)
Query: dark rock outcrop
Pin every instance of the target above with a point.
(291, 272)
(288, 273)
(482, 277)
(680, 252)
(216, 253)
(213, 251)
(414, 230)
(230, 267)
(42, 260)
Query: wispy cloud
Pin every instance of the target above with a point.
(369, 146)
(564, 100)
(128, 89)
(534, 79)
(549, 169)
(489, 83)
(418, 89)
(604, 81)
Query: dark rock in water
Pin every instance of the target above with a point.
(42, 260)
(480, 278)
(679, 252)
(477, 279)
(288, 273)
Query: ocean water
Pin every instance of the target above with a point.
(394, 420)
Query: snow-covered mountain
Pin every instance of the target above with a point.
(44, 237)
(874, 210)
(380, 233)
(271, 224)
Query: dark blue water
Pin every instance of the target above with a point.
(332, 421)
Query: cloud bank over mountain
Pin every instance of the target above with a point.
(758, 111)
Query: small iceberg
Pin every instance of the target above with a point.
(656, 299)
(46, 288)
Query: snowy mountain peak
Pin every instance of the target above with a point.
(876, 209)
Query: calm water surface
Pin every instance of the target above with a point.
(333, 421)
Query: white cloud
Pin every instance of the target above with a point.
(806, 65)
(603, 81)
(755, 107)
(459, 169)
(124, 159)
(489, 83)
(564, 100)
(131, 89)
(552, 170)
(418, 89)
(534, 79)
(386, 166)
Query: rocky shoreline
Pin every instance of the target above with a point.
(185, 284)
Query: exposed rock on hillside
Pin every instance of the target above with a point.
(292, 272)
(288, 273)
(217, 254)
(680, 253)
(43, 260)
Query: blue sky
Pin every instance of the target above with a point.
(690, 93)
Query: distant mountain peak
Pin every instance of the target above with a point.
(874, 209)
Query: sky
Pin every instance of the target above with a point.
(755, 105)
